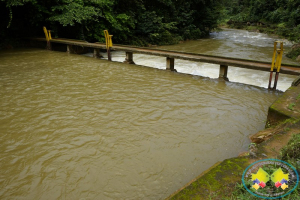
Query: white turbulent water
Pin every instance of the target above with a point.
(228, 43)
(74, 127)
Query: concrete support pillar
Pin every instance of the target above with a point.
(69, 48)
(296, 82)
(170, 64)
(108, 54)
(129, 58)
(49, 46)
(223, 72)
(97, 53)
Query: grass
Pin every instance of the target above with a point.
(241, 193)
(268, 125)
(293, 54)
(291, 106)
(291, 154)
(287, 129)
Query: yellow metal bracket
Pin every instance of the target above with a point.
(108, 39)
(109, 44)
(276, 63)
(47, 34)
(277, 56)
(48, 37)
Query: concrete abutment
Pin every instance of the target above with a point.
(129, 58)
(170, 63)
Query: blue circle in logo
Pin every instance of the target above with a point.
(267, 197)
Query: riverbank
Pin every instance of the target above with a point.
(272, 29)
(282, 32)
(223, 180)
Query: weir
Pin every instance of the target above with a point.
(224, 62)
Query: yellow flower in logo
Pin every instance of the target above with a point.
(261, 175)
(278, 176)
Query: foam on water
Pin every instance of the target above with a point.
(240, 75)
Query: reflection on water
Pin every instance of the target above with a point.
(74, 127)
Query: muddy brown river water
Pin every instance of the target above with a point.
(75, 127)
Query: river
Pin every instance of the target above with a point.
(75, 127)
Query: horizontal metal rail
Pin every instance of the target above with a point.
(226, 61)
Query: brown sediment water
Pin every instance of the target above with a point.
(77, 127)
(74, 127)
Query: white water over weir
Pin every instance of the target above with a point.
(229, 43)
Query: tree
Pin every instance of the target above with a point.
(138, 22)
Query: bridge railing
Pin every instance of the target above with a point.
(224, 62)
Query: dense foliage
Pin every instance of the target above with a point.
(142, 22)
(139, 22)
(283, 16)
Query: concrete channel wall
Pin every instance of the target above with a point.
(219, 181)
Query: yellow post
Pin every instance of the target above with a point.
(49, 34)
(276, 63)
(105, 35)
(108, 41)
(274, 56)
(48, 37)
(46, 33)
(272, 65)
(280, 53)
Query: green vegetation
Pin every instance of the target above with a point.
(294, 53)
(241, 193)
(143, 23)
(136, 22)
(219, 182)
(291, 106)
(291, 154)
(287, 129)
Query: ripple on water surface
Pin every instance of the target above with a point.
(76, 127)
